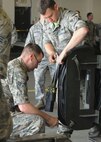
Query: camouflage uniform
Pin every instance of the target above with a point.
(14, 36)
(91, 36)
(35, 35)
(16, 92)
(5, 43)
(60, 33)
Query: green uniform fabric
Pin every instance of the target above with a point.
(91, 36)
(5, 44)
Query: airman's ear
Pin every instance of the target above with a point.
(31, 56)
(56, 7)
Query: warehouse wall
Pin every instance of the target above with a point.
(83, 6)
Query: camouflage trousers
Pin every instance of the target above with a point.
(5, 117)
(39, 75)
(26, 124)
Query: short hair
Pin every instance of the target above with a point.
(78, 11)
(44, 4)
(89, 13)
(30, 47)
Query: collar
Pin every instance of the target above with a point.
(57, 24)
(23, 64)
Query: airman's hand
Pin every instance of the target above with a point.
(52, 58)
(61, 57)
(52, 122)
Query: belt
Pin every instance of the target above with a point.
(15, 109)
(3, 140)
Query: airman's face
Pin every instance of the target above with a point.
(91, 17)
(34, 61)
(52, 15)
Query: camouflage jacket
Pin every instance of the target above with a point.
(15, 85)
(91, 36)
(35, 35)
(5, 41)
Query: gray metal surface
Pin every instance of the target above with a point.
(42, 138)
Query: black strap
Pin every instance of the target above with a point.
(3, 140)
(62, 75)
(55, 76)
(75, 59)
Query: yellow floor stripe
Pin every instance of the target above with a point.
(32, 90)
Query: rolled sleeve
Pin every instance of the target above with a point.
(73, 21)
